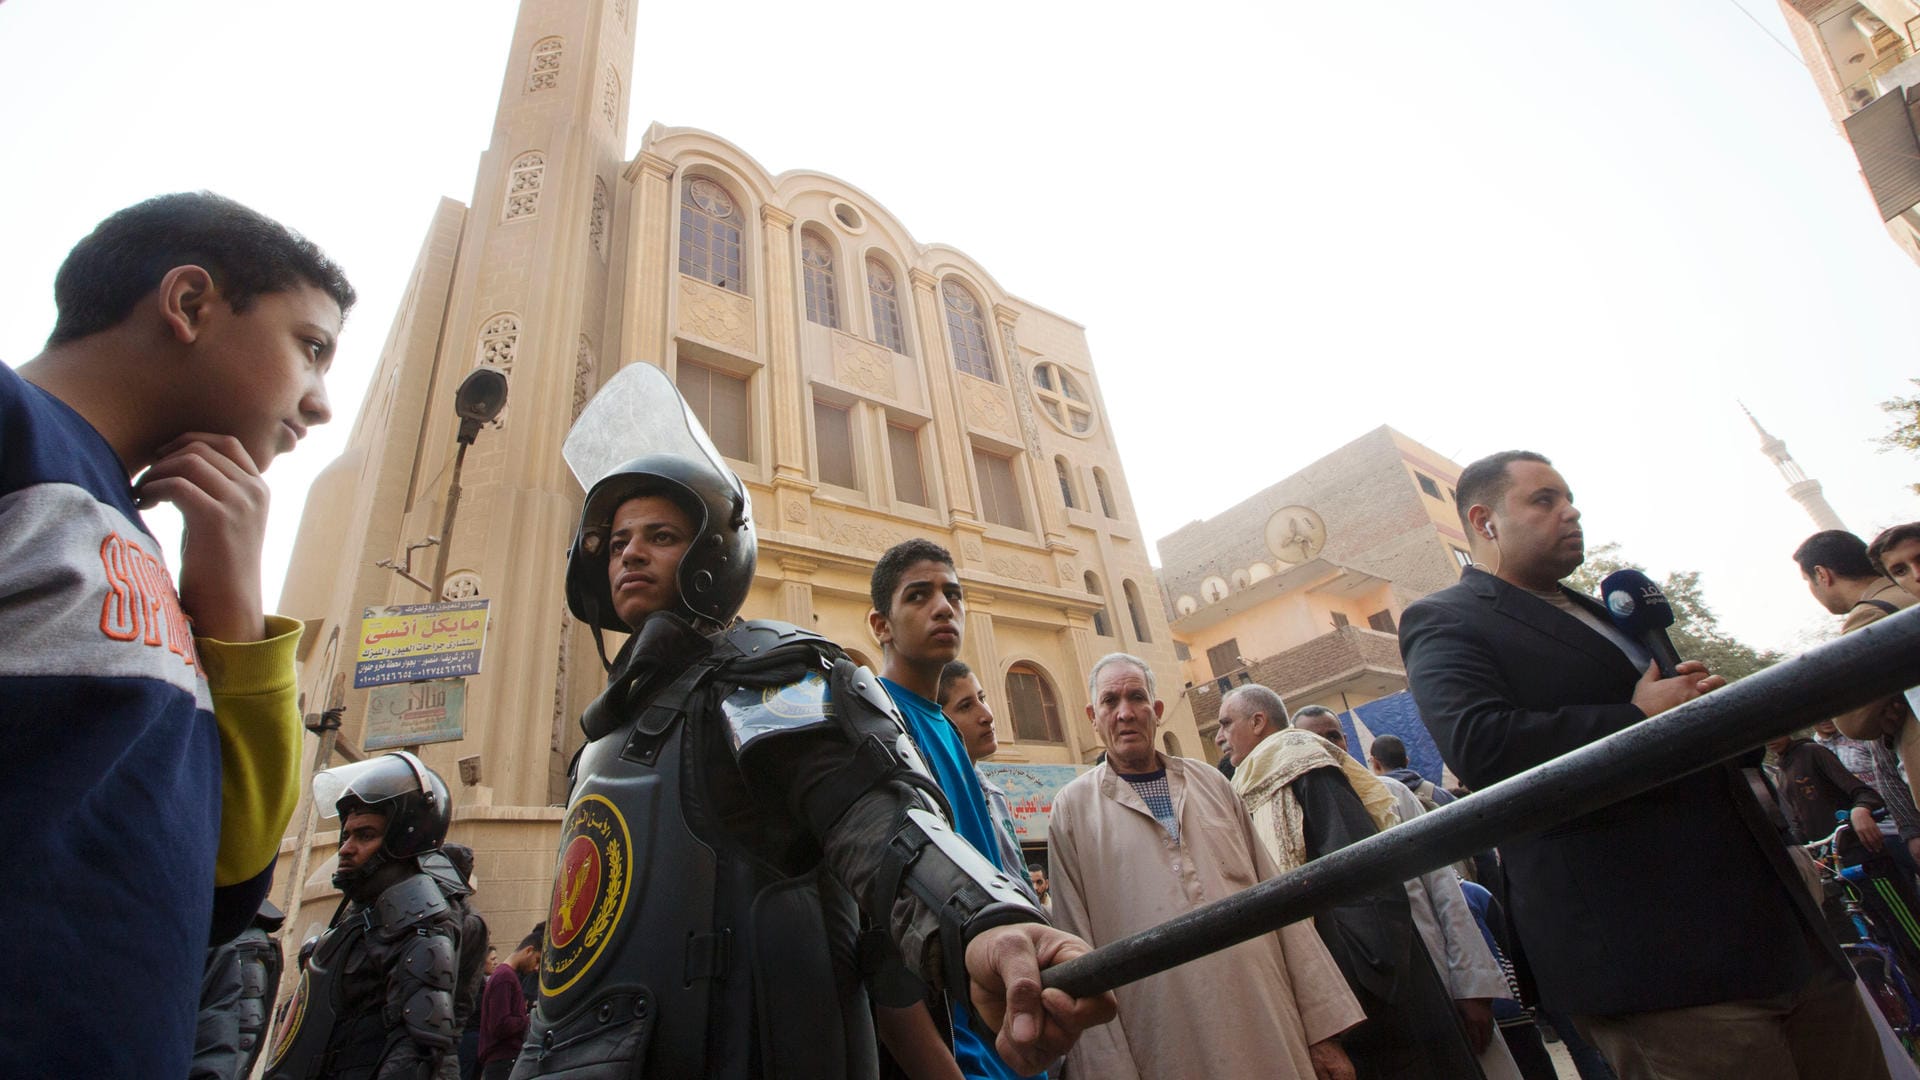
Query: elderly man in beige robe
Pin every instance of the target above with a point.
(1143, 837)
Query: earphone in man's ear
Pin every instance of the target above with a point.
(1488, 529)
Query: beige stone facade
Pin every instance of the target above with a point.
(1861, 53)
(1300, 587)
(867, 387)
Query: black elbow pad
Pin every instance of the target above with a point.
(960, 885)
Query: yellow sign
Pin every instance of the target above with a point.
(412, 642)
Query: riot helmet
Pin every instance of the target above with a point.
(638, 437)
(396, 786)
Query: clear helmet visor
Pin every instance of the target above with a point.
(374, 780)
(637, 413)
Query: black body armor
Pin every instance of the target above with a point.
(236, 1000)
(375, 998)
(703, 925)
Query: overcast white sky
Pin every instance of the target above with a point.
(1581, 228)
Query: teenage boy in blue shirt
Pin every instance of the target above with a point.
(919, 615)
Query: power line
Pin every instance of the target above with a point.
(1784, 47)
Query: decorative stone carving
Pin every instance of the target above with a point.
(464, 585)
(544, 73)
(499, 341)
(988, 408)
(610, 97)
(860, 534)
(974, 554)
(1012, 566)
(863, 365)
(797, 513)
(560, 682)
(722, 317)
(1023, 398)
(597, 219)
(524, 178)
(583, 366)
(1068, 571)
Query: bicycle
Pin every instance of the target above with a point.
(1885, 950)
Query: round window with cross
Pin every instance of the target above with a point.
(1063, 399)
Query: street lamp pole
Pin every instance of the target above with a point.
(480, 398)
(446, 521)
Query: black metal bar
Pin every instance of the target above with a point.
(1877, 660)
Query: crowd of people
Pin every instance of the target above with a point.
(777, 862)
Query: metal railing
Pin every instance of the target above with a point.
(1877, 660)
(1865, 90)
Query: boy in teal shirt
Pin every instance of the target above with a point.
(919, 613)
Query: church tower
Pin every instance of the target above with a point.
(516, 280)
(1804, 490)
(867, 388)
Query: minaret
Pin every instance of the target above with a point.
(1804, 490)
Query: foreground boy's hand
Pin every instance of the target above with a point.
(222, 499)
(1035, 1027)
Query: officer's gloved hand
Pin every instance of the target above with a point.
(1035, 1027)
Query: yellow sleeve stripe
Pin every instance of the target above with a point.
(256, 710)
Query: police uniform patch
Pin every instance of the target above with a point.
(752, 712)
(590, 887)
(288, 1024)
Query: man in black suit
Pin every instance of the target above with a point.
(1670, 925)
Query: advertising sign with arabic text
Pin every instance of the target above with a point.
(1030, 790)
(411, 642)
(411, 714)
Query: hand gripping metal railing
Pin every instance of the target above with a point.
(1877, 660)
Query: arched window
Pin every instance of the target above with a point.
(816, 276)
(968, 331)
(597, 219)
(1172, 743)
(523, 185)
(499, 341)
(499, 345)
(1065, 472)
(1036, 712)
(1136, 610)
(610, 97)
(884, 297)
(461, 585)
(1101, 624)
(544, 72)
(1101, 489)
(710, 230)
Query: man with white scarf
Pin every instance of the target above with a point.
(1308, 798)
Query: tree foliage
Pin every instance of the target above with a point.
(1906, 428)
(1696, 631)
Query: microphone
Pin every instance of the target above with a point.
(1640, 610)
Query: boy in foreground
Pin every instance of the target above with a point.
(150, 758)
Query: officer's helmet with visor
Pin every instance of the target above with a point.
(398, 787)
(638, 437)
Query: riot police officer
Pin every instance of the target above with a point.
(746, 795)
(236, 999)
(375, 998)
